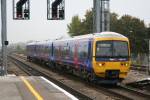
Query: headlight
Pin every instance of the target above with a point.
(124, 64)
(100, 64)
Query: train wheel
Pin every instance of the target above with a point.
(52, 66)
(91, 77)
(84, 74)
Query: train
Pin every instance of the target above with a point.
(100, 57)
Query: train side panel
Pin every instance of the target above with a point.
(84, 54)
(75, 54)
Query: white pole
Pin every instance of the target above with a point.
(4, 36)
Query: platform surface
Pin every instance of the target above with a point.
(31, 88)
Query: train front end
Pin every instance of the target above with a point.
(111, 56)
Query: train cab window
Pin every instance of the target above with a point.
(112, 49)
(104, 49)
(120, 49)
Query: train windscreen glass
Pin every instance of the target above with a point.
(112, 49)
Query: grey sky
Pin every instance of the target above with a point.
(38, 28)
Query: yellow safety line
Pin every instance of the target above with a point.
(32, 90)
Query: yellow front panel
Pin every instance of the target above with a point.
(101, 67)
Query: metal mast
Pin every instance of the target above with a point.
(101, 16)
(4, 37)
(148, 69)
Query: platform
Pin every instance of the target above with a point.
(31, 88)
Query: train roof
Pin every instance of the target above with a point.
(87, 36)
(96, 35)
(32, 43)
(40, 42)
(109, 34)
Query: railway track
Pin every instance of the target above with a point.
(118, 92)
(13, 69)
(143, 85)
(139, 67)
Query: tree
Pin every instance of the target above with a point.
(148, 32)
(81, 27)
(114, 23)
(75, 26)
(135, 30)
(88, 23)
(18, 48)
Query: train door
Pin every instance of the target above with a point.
(76, 55)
